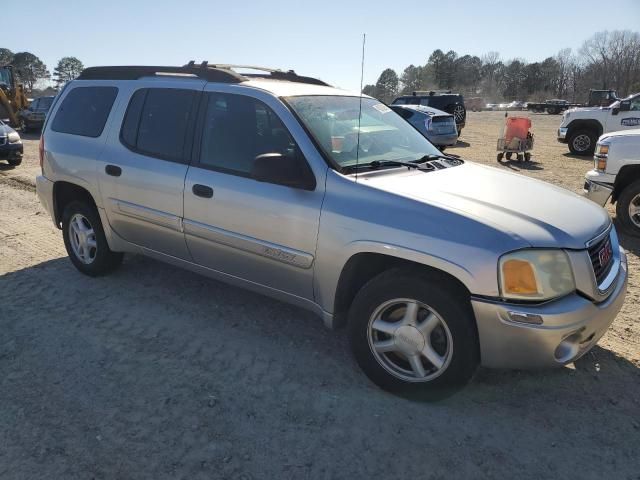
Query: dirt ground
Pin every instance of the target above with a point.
(154, 372)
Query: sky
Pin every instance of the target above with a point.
(321, 39)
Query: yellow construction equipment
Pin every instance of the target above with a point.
(12, 97)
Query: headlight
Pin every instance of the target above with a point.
(600, 156)
(535, 274)
(13, 137)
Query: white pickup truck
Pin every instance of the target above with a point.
(616, 176)
(581, 127)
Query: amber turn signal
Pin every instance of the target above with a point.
(519, 278)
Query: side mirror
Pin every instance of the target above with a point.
(615, 110)
(290, 171)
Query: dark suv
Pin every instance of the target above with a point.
(33, 117)
(446, 101)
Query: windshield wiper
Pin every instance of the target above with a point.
(391, 163)
(433, 156)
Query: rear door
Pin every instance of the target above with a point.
(142, 170)
(256, 231)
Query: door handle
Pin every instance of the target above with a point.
(202, 191)
(113, 170)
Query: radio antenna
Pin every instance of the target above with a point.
(364, 40)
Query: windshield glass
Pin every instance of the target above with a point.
(384, 135)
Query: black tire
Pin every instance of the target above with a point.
(629, 197)
(527, 157)
(453, 311)
(508, 155)
(582, 142)
(15, 161)
(104, 260)
(500, 156)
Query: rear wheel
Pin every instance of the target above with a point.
(508, 155)
(527, 157)
(414, 333)
(500, 156)
(582, 142)
(628, 209)
(15, 161)
(85, 240)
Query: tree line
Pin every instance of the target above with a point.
(607, 60)
(29, 69)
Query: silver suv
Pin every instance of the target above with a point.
(331, 201)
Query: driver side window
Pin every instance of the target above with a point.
(635, 104)
(237, 129)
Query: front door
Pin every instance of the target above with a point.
(256, 231)
(625, 120)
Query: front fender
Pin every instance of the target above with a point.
(329, 268)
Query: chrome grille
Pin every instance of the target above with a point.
(596, 252)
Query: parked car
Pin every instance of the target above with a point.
(516, 105)
(32, 118)
(491, 106)
(438, 126)
(616, 176)
(329, 200)
(581, 127)
(446, 101)
(11, 147)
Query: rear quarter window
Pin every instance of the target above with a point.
(84, 111)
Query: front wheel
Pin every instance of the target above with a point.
(414, 333)
(15, 161)
(582, 142)
(628, 209)
(85, 240)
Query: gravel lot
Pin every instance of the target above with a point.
(155, 372)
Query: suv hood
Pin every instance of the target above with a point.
(622, 133)
(5, 130)
(529, 210)
(587, 110)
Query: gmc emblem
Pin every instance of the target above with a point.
(605, 254)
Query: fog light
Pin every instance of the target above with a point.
(568, 349)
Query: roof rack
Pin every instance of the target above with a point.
(430, 92)
(221, 73)
(135, 72)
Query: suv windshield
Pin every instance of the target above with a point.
(384, 135)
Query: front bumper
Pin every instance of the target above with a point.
(11, 150)
(44, 189)
(562, 135)
(598, 187)
(570, 327)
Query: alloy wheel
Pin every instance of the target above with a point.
(83, 239)
(634, 210)
(410, 340)
(458, 113)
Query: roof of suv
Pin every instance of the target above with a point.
(424, 109)
(278, 82)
